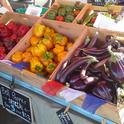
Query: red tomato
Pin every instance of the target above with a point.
(60, 18)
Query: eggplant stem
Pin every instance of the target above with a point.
(115, 56)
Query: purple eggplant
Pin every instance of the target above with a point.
(103, 90)
(116, 65)
(63, 65)
(90, 80)
(74, 78)
(95, 52)
(69, 69)
(79, 85)
(93, 41)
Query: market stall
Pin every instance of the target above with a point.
(66, 60)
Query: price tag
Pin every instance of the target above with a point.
(33, 10)
(70, 94)
(97, 2)
(64, 116)
(16, 103)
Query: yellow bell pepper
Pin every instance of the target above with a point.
(38, 50)
(60, 39)
(47, 43)
(39, 30)
(29, 49)
(61, 56)
(34, 40)
(26, 56)
(69, 46)
(51, 67)
(58, 49)
(46, 62)
(47, 58)
(35, 65)
(49, 31)
(42, 47)
(17, 57)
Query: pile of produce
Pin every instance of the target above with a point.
(46, 51)
(90, 19)
(10, 34)
(96, 70)
(65, 12)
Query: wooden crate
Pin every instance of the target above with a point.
(64, 2)
(72, 31)
(106, 109)
(83, 15)
(19, 19)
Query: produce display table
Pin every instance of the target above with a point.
(44, 106)
(64, 65)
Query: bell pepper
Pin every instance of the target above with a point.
(29, 49)
(61, 56)
(51, 67)
(69, 9)
(69, 46)
(47, 58)
(39, 30)
(34, 40)
(42, 47)
(17, 57)
(58, 49)
(47, 43)
(60, 18)
(60, 39)
(38, 50)
(52, 14)
(61, 11)
(76, 12)
(2, 49)
(69, 18)
(48, 55)
(49, 31)
(26, 56)
(35, 65)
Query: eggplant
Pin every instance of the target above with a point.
(106, 77)
(84, 70)
(101, 63)
(79, 85)
(63, 65)
(90, 80)
(69, 69)
(116, 65)
(103, 90)
(93, 41)
(74, 78)
(95, 52)
(85, 44)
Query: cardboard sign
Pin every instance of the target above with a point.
(16, 103)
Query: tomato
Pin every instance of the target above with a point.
(60, 18)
